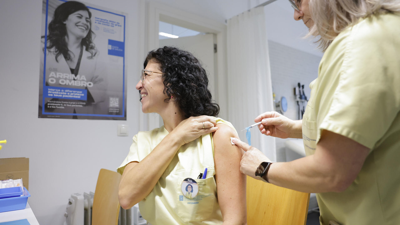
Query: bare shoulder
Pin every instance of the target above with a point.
(224, 131)
(222, 139)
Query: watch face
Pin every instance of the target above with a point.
(260, 170)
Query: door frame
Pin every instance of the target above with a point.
(160, 12)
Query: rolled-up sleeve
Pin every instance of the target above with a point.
(133, 155)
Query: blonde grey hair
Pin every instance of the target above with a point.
(332, 16)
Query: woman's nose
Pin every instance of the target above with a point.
(298, 15)
(84, 21)
(139, 85)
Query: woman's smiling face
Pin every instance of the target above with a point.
(78, 24)
(151, 89)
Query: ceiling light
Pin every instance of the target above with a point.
(168, 35)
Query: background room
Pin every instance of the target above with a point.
(65, 155)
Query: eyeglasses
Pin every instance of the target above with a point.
(294, 5)
(147, 73)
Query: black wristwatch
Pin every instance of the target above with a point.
(262, 170)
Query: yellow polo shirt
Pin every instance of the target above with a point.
(357, 95)
(167, 203)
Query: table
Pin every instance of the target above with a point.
(26, 213)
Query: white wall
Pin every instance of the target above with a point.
(65, 155)
(288, 67)
(283, 29)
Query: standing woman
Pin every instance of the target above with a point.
(351, 127)
(187, 171)
(72, 60)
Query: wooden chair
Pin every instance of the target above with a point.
(273, 205)
(105, 202)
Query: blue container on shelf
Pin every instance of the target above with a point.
(14, 203)
(10, 192)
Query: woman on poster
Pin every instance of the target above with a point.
(72, 62)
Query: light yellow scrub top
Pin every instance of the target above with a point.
(357, 95)
(166, 204)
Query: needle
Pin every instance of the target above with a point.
(252, 126)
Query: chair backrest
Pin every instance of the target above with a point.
(270, 204)
(105, 201)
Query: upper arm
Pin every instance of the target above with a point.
(124, 185)
(231, 183)
(340, 158)
(130, 166)
(124, 171)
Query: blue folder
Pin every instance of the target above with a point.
(16, 222)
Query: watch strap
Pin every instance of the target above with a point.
(262, 170)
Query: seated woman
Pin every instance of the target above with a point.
(192, 152)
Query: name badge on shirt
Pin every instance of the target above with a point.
(189, 188)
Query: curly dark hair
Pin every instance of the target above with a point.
(186, 80)
(58, 31)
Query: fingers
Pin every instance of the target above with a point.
(208, 130)
(263, 130)
(271, 114)
(267, 126)
(207, 125)
(271, 122)
(210, 119)
(241, 144)
(268, 130)
(204, 123)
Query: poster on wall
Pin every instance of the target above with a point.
(82, 62)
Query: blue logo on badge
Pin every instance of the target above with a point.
(180, 197)
(116, 48)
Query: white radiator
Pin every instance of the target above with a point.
(79, 212)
